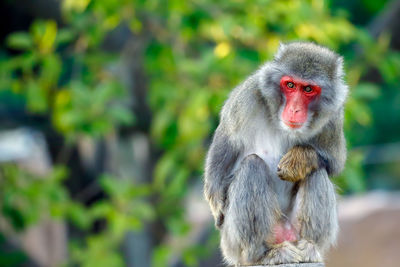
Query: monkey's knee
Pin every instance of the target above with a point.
(252, 165)
(253, 161)
(251, 181)
(251, 176)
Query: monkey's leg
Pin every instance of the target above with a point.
(252, 212)
(316, 216)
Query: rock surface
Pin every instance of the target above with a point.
(292, 265)
(369, 233)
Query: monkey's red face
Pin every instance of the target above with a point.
(299, 94)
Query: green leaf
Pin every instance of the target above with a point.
(79, 215)
(20, 41)
(121, 114)
(365, 91)
(178, 226)
(161, 256)
(101, 209)
(65, 36)
(36, 96)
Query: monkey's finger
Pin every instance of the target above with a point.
(283, 175)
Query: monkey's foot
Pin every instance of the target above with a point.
(309, 251)
(282, 253)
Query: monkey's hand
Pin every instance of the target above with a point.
(297, 163)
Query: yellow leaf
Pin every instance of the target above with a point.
(75, 5)
(63, 98)
(46, 43)
(222, 49)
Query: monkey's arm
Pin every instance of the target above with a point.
(330, 146)
(221, 159)
(326, 150)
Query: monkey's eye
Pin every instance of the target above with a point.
(308, 89)
(290, 85)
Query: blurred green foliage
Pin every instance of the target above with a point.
(195, 53)
(26, 199)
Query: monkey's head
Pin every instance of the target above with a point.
(303, 86)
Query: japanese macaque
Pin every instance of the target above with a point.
(267, 171)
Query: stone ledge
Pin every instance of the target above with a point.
(290, 265)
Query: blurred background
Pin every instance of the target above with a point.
(107, 109)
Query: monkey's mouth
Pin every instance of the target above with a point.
(293, 125)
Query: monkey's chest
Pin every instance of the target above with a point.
(269, 148)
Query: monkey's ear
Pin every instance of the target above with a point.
(281, 49)
(342, 89)
(339, 67)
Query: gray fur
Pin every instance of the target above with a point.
(317, 213)
(222, 156)
(245, 194)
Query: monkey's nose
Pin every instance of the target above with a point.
(278, 169)
(295, 110)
